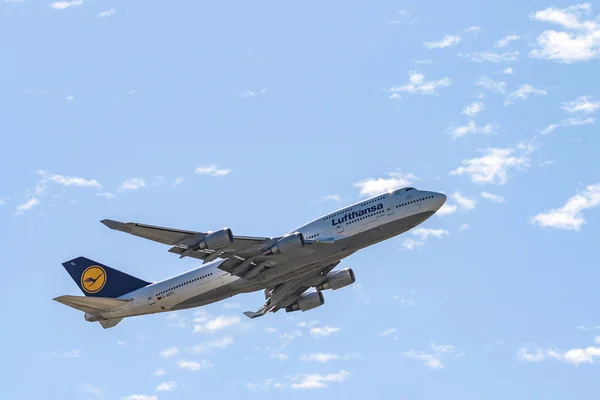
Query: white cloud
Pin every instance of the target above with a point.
(28, 205)
(320, 357)
(434, 359)
(177, 182)
(466, 203)
(171, 351)
(60, 5)
(388, 332)
(505, 41)
(494, 165)
(193, 365)
(471, 127)
(550, 128)
(418, 84)
(423, 234)
(524, 91)
(70, 97)
(107, 13)
(71, 354)
(374, 186)
(474, 28)
(428, 61)
(583, 104)
(231, 305)
(575, 356)
(404, 302)
(323, 331)
(317, 381)
(108, 195)
(430, 360)
(166, 386)
(132, 184)
(68, 180)
(493, 197)
(490, 56)
(489, 84)
(570, 216)
(140, 397)
(586, 329)
(508, 71)
(159, 372)
(464, 227)
(212, 325)
(446, 209)
(446, 41)
(302, 381)
(578, 121)
(210, 345)
(92, 390)
(212, 170)
(332, 197)
(473, 108)
(579, 41)
(279, 356)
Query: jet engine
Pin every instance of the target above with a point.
(216, 240)
(338, 279)
(287, 244)
(307, 301)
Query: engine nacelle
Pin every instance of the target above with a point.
(287, 244)
(338, 279)
(216, 240)
(307, 301)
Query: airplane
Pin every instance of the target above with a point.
(285, 267)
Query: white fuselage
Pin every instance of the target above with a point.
(358, 225)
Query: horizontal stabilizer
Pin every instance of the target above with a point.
(109, 323)
(92, 305)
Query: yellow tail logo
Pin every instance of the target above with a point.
(93, 279)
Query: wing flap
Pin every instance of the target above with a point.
(92, 305)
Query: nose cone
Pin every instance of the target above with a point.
(440, 199)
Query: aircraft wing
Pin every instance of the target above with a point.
(246, 255)
(288, 292)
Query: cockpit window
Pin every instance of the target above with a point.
(407, 189)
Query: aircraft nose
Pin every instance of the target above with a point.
(440, 200)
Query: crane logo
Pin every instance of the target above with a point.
(93, 279)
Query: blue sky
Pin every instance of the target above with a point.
(261, 116)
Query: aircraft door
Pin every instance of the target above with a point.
(340, 228)
(390, 204)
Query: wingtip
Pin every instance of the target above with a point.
(249, 314)
(112, 224)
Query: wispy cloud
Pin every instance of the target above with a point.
(423, 234)
(171, 351)
(28, 205)
(579, 41)
(166, 386)
(216, 344)
(526, 90)
(132, 184)
(177, 182)
(472, 128)
(193, 365)
(140, 397)
(323, 331)
(575, 356)
(582, 105)
(388, 332)
(508, 71)
(321, 357)
(493, 197)
(206, 323)
(301, 381)
(494, 165)
(464, 202)
(490, 56)
(492, 85)
(570, 216)
(505, 41)
(446, 209)
(446, 41)
(159, 372)
(60, 5)
(434, 358)
(107, 13)
(418, 85)
(212, 170)
(68, 180)
(473, 109)
(108, 195)
(374, 186)
(279, 356)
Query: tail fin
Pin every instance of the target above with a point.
(98, 280)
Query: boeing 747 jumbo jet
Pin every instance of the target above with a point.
(285, 267)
